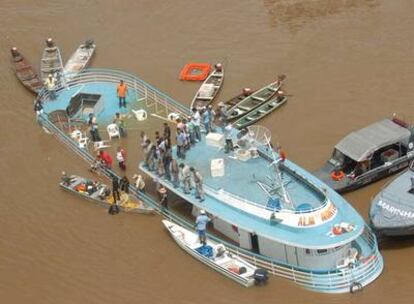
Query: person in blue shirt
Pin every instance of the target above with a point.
(201, 225)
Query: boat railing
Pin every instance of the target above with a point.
(244, 204)
(158, 101)
(373, 172)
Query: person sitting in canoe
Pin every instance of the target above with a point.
(50, 84)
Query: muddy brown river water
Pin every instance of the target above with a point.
(349, 63)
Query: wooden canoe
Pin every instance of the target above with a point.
(79, 59)
(209, 89)
(254, 100)
(51, 62)
(212, 254)
(78, 185)
(25, 72)
(259, 112)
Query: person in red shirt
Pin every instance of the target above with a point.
(121, 91)
(106, 158)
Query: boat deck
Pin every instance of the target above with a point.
(244, 176)
(107, 92)
(240, 179)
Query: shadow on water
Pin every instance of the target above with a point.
(297, 13)
(396, 242)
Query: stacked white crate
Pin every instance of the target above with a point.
(217, 167)
(215, 139)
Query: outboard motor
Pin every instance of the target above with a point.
(261, 276)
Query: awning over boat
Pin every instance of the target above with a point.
(360, 145)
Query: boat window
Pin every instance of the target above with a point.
(387, 154)
(322, 251)
(337, 158)
(307, 251)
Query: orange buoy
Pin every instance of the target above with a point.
(337, 175)
(195, 71)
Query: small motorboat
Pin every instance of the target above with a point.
(392, 209)
(101, 194)
(51, 62)
(79, 59)
(367, 155)
(260, 112)
(25, 72)
(209, 89)
(213, 255)
(255, 100)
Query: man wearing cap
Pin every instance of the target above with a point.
(121, 91)
(201, 225)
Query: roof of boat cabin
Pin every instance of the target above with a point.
(361, 144)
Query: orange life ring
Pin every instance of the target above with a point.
(337, 175)
(195, 71)
(336, 230)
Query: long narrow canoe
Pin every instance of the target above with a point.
(254, 100)
(209, 89)
(260, 112)
(25, 72)
(100, 193)
(213, 255)
(79, 59)
(51, 62)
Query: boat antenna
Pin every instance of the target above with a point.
(278, 176)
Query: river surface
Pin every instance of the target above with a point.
(349, 63)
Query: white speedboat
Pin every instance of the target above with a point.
(213, 254)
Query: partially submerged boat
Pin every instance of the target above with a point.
(25, 72)
(254, 100)
(260, 112)
(51, 62)
(79, 59)
(213, 255)
(392, 209)
(100, 193)
(209, 89)
(367, 155)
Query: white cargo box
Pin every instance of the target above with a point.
(217, 167)
(215, 139)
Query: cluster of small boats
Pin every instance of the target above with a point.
(246, 108)
(370, 154)
(51, 64)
